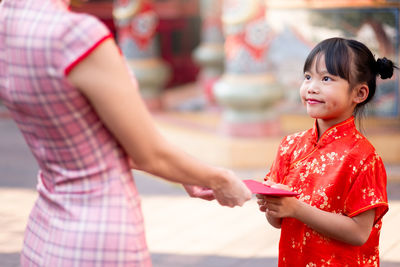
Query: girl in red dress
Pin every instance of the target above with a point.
(336, 218)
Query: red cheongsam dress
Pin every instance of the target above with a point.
(339, 173)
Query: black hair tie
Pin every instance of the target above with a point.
(384, 68)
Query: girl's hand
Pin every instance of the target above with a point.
(276, 208)
(261, 199)
(352, 230)
(269, 183)
(262, 203)
(199, 192)
(281, 207)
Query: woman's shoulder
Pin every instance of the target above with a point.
(82, 25)
(73, 37)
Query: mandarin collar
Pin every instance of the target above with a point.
(335, 132)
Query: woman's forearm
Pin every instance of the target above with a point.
(118, 103)
(175, 165)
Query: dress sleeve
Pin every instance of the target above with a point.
(81, 34)
(280, 164)
(368, 190)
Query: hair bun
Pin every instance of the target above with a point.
(384, 68)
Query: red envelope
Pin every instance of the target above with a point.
(260, 188)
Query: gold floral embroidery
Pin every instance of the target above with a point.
(330, 174)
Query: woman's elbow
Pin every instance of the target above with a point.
(148, 165)
(153, 162)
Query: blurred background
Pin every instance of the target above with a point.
(230, 70)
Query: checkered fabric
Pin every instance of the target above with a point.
(88, 210)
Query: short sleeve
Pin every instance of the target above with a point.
(368, 190)
(80, 35)
(280, 164)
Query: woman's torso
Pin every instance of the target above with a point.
(84, 178)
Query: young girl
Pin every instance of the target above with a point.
(69, 91)
(341, 181)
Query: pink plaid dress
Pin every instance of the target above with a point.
(88, 210)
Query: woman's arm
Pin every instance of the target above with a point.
(106, 82)
(354, 231)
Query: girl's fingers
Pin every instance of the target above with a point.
(260, 196)
(271, 213)
(272, 206)
(261, 202)
(274, 200)
(269, 183)
(263, 208)
(281, 186)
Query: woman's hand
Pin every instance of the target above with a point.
(232, 193)
(229, 190)
(199, 192)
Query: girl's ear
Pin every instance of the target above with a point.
(361, 93)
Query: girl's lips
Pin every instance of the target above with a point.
(313, 101)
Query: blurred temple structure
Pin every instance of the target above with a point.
(226, 73)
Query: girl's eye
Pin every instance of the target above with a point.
(307, 76)
(326, 79)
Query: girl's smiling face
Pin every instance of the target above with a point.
(327, 97)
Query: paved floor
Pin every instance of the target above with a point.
(180, 231)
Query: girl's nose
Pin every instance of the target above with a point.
(312, 88)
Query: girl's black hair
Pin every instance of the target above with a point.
(353, 61)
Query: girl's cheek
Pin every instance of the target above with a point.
(302, 93)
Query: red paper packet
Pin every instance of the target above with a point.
(260, 188)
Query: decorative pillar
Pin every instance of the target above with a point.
(247, 90)
(210, 53)
(136, 24)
